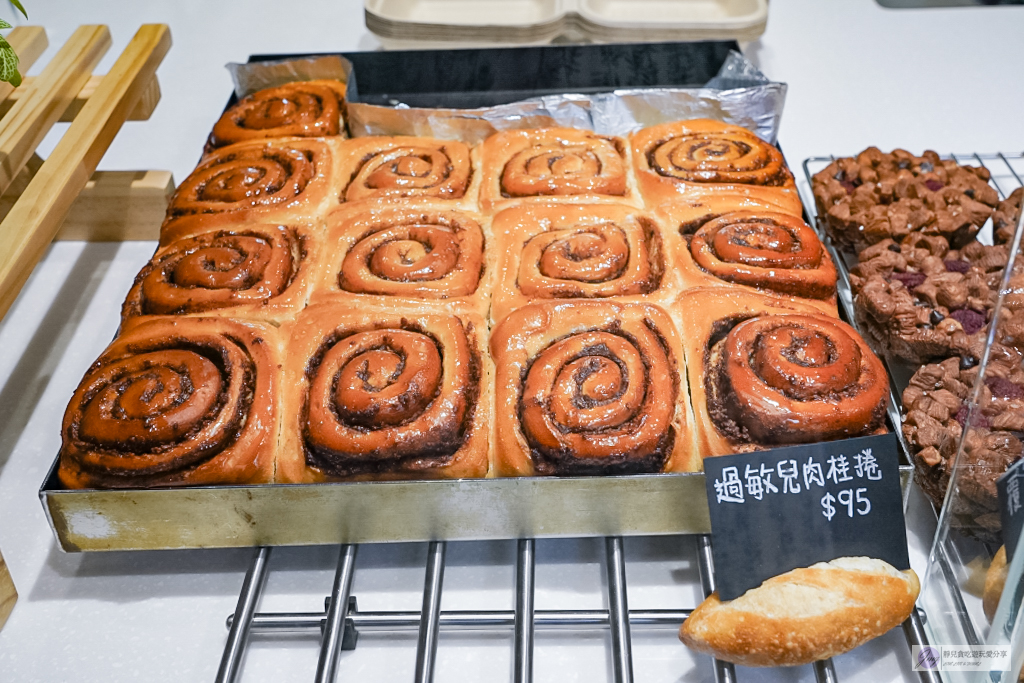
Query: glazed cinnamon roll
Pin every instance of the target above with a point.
(595, 389)
(767, 251)
(308, 109)
(251, 271)
(553, 162)
(384, 395)
(687, 159)
(585, 251)
(767, 372)
(188, 401)
(375, 168)
(269, 179)
(420, 249)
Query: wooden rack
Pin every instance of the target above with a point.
(63, 197)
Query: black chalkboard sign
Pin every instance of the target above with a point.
(776, 510)
(1009, 487)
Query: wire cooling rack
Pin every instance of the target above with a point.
(341, 622)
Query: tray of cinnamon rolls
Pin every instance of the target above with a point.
(395, 338)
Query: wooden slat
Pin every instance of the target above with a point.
(42, 103)
(117, 206)
(33, 222)
(142, 111)
(8, 595)
(28, 42)
(114, 206)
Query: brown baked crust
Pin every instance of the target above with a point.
(261, 271)
(708, 316)
(935, 406)
(995, 581)
(689, 160)
(554, 164)
(1006, 215)
(685, 216)
(919, 300)
(804, 615)
(386, 393)
(379, 169)
(176, 402)
(589, 388)
(865, 199)
(577, 251)
(283, 179)
(308, 109)
(422, 250)
(766, 251)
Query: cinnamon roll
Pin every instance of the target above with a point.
(253, 271)
(383, 168)
(589, 388)
(421, 249)
(686, 160)
(767, 372)
(286, 177)
(554, 163)
(386, 394)
(308, 109)
(570, 251)
(759, 249)
(176, 402)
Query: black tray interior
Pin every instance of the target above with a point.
(467, 79)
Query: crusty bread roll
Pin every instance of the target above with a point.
(804, 615)
(995, 580)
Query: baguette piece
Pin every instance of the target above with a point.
(804, 615)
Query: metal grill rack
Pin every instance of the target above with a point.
(341, 622)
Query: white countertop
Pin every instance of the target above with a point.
(859, 74)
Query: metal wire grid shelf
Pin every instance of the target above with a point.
(341, 621)
(1007, 174)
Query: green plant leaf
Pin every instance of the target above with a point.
(21, 9)
(4, 24)
(8, 64)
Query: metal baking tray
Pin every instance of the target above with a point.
(369, 512)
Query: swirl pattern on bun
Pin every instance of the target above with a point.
(553, 162)
(422, 250)
(595, 387)
(765, 250)
(176, 402)
(392, 167)
(258, 177)
(218, 270)
(685, 159)
(299, 109)
(784, 379)
(384, 395)
(570, 251)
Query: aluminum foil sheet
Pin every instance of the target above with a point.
(739, 94)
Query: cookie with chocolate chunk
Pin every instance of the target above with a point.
(919, 300)
(935, 406)
(1006, 215)
(865, 199)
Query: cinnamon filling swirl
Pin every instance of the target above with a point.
(600, 401)
(442, 170)
(765, 250)
(217, 270)
(385, 399)
(168, 405)
(786, 379)
(719, 157)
